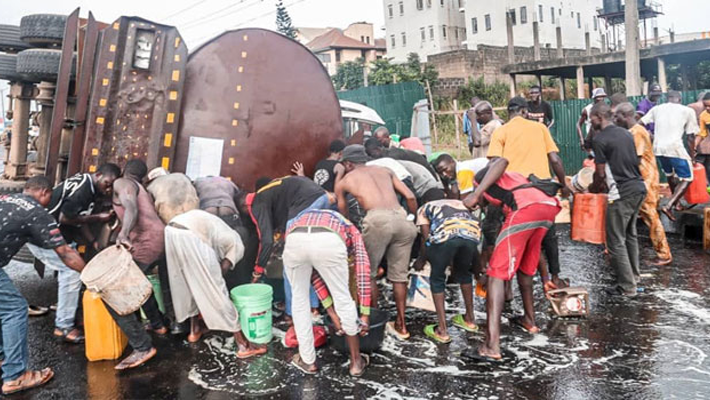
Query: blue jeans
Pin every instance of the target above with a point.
(13, 324)
(321, 203)
(69, 286)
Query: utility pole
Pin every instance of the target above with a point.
(633, 64)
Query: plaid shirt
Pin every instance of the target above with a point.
(357, 255)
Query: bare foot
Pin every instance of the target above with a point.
(136, 359)
(660, 261)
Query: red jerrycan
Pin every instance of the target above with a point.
(698, 190)
(589, 218)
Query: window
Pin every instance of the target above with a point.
(474, 26)
(428, 3)
(390, 10)
(324, 58)
(460, 4)
(443, 31)
(512, 16)
(392, 42)
(401, 8)
(596, 23)
(456, 34)
(337, 56)
(362, 39)
(367, 38)
(579, 21)
(523, 15)
(404, 39)
(540, 12)
(442, 3)
(488, 22)
(420, 4)
(431, 32)
(571, 14)
(552, 14)
(422, 31)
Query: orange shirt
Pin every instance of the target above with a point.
(647, 165)
(525, 144)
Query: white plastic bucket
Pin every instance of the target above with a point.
(584, 178)
(114, 276)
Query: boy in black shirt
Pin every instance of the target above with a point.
(538, 109)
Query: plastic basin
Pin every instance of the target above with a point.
(368, 344)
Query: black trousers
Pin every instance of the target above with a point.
(551, 248)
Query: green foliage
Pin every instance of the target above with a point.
(283, 21)
(350, 75)
(496, 93)
(384, 72)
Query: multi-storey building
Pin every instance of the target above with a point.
(424, 27)
(486, 22)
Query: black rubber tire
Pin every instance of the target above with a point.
(36, 65)
(43, 29)
(8, 67)
(10, 39)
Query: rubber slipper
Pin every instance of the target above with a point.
(243, 355)
(28, 380)
(37, 311)
(474, 355)
(136, 359)
(430, 332)
(63, 334)
(518, 321)
(389, 327)
(295, 363)
(459, 321)
(367, 364)
(659, 262)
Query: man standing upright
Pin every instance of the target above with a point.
(648, 103)
(470, 126)
(585, 137)
(703, 139)
(538, 109)
(489, 123)
(625, 117)
(672, 121)
(386, 228)
(614, 145)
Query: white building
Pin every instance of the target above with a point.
(423, 26)
(486, 23)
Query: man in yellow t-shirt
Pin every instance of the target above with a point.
(625, 117)
(530, 150)
(702, 141)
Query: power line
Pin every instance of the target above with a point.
(215, 15)
(188, 8)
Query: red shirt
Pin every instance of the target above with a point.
(502, 193)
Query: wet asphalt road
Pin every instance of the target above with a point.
(654, 346)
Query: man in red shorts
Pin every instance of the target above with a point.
(529, 213)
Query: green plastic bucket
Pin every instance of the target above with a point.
(253, 302)
(157, 292)
(436, 155)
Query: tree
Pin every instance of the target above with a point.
(350, 75)
(382, 72)
(283, 21)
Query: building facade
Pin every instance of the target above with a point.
(486, 22)
(337, 46)
(424, 27)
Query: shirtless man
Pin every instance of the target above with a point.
(386, 228)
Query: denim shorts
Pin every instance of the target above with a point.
(678, 167)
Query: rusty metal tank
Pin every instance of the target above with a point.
(254, 102)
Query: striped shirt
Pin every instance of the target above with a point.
(357, 255)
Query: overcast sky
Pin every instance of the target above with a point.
(199, 20)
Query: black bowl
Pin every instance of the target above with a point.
(369, 343)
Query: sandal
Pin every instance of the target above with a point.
(518, 321)
(28, 380)
(430, 332)
(475, 355)
(298, 363)
(136, 359)
(37, 311)
(460, 321)
(65, 335)
(389, 327)
(251, 352)
(367, 364)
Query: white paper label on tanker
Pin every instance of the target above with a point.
(143, 49)
(204, 157)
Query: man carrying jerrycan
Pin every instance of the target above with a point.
(25, 219)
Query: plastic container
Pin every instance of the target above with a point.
(580, 182)
(253, 302)
(435, 155)
(117, 279)
(698, 190)
(158, 292)
(589, 218)
(104, 339)
(368, 344)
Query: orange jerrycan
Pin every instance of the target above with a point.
(104, 339)
(698, 190)
(589, 218)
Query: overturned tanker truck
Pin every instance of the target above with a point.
(245, 104)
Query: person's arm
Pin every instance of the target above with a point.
(648, 117)
(261, 214)
(599, 183)
(582, 120)
(77, 220)
(549, 115)
(402, 189)
(297, 169)
(691, 146)
(340, 189)
(339, 172)
(496, 169)
(226, 266)
(497, 143)
(127, 193)
(559, 170)
(70, 257)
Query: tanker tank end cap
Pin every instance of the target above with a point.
(156, 173)
(355, 153)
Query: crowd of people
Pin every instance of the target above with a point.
(368, 211)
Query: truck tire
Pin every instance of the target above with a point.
(43, 29)
(8, 65)
(10, 39)
(36, 65)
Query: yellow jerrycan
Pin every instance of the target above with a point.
(104, 339)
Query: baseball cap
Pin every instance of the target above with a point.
(598, 92)
(655, 89)
(355, 153)
(517, 102)
(156, 172)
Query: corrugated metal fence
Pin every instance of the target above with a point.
(565, 129)
(394, 103)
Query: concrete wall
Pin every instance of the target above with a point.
(565, 16)
(345, 56)
(361, 31)
(434, 17)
